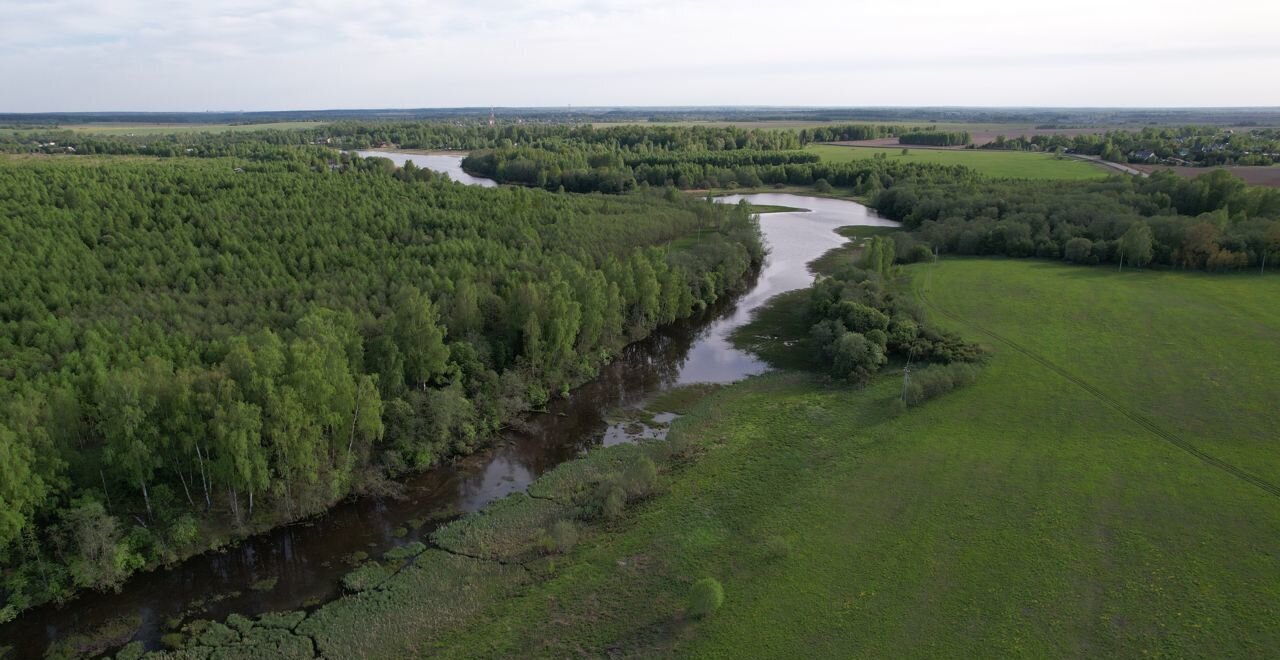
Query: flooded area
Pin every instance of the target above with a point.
(301, 565)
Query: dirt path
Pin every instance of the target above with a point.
(1097, 160)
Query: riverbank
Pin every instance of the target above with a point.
(1027, 514)
(311, 559)
(282, 558)
(846, 194)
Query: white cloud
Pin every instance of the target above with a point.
(283, 54)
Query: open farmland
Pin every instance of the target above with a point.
(1012, 164)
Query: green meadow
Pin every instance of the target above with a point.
(1107, 487)
(1001, 164)
(1026, 515)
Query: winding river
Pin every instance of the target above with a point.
(306, 559)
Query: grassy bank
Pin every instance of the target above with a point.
(1048, 510)
(1020, 516)
(1011, 164)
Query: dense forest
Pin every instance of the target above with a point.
(408, 135)
(935, 138)
(1185, 145)
(1213, 222)
(860, 321)
(196, 348)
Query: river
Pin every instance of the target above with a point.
(307, 559)
(448, 162)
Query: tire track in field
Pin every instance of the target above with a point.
(1136, 417)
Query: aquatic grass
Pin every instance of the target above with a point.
(681, 399)
(265, 584)
(778, 333)
(507, 530)
(403, 552)
(572, 481)
(366, 576)
(409, 615)
(111, 634)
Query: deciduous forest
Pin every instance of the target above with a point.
(196, 348)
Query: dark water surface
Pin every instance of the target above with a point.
(307, 558)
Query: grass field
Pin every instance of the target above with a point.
(168, 129)
(1012, 164)
(1106, 488)
(1023, 516)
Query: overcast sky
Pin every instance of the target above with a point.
(82, 55)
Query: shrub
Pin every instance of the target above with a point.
(1079, 250)
(938, 379)
(705, 598)
(678, 443)
(184, 531)
(640, 478)
(861, 318)
(611, 498)
(855, 358)
(173, 641)
(560, 538)
(918, 253)
(822, 186)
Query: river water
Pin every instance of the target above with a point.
(307, 559)
(448, 162)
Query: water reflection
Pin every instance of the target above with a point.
(449, 163)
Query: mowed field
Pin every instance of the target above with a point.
(1012, 164)
(1055, 508)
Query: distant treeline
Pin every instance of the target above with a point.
(410, 135)
(618, 159)
(1187, 145)
(935, 138)
(1035, 116)
(195, 346)
(577, 170)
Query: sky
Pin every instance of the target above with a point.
(227, 55)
